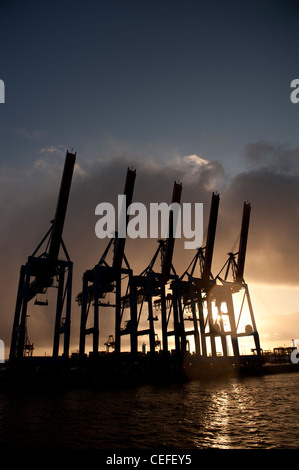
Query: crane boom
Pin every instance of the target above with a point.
(61, 207)
(43, 278)
(176, 198)
(210, 237)
(120, 242)
(243, 242)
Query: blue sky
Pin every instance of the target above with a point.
(155, 82)
(203, 77)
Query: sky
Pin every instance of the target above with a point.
(196, 91)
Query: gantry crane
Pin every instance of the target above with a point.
(40, 272)
(195, 290)
(224, 292)
(148, 292)
(105, 278)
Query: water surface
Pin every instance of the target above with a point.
(236, 413)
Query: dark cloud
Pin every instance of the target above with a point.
(279, 158)
(272, 188)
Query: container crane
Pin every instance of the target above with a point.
(149, 289)
(39, 272)
(105, 278)
(224, 292)
(195, 290)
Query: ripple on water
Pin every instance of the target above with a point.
(256, 412)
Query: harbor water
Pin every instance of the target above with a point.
(233, 413)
